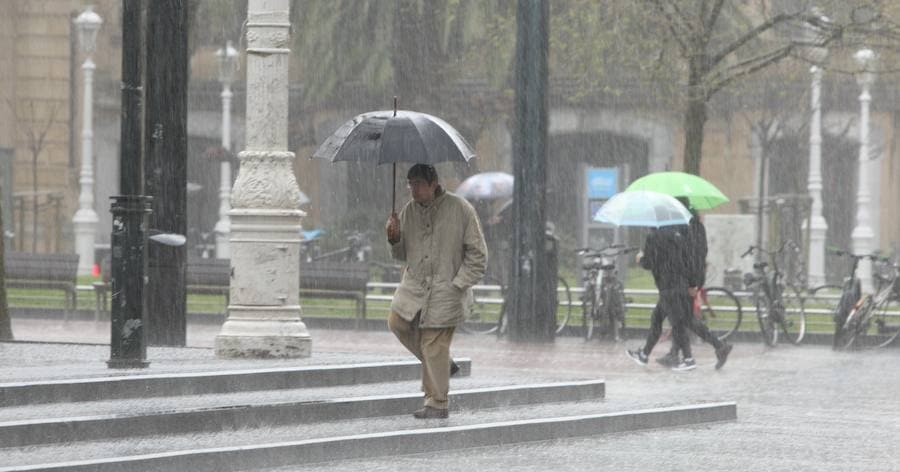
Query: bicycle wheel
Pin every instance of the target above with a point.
(588, 309)
(721, 311)
(793, 315)
(823, 304)
(565, 298)
(857, 323)
(614, 303)
(484, 307)
(766, 324)
(887, 322)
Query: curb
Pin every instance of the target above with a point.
(43, 431)
(198, 383)
(400, 442)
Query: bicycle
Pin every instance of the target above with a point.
(879, 308)
(719, 309)
(481, 310)
(603, 301)
(773, 308)
(848, 293)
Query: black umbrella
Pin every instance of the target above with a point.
(391, 136)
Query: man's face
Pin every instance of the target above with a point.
(420, 190)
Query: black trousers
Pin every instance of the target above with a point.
(677, 306)
(700, 329)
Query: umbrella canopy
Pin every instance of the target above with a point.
(643, 208)
(702, 194)
(486, 186)
(395, 136)
(391, 136)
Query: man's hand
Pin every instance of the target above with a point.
(638, 257)
(692, 291)
(392, 228)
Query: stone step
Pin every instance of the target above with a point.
(363, 438)
(231, 417)
(201, 383)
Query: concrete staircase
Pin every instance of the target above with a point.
(252, 419)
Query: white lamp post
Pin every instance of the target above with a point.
(85, 220)
(228, 61)
(863, 236)
(818, 227)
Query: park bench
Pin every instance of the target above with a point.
(203, 276)
(327, 279)
(56, 271)
(317, 279)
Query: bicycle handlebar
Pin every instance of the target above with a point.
(609, 251)
(788, 243)
(872, 257)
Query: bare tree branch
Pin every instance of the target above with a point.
(710, 21)
(751, 35)
(723, 78)
(673, 25)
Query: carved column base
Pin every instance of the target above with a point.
(264, 309)
(263, 338)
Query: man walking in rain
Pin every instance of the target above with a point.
(438, 235)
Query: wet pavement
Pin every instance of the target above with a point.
(799, 407)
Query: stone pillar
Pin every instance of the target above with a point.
(264, 309)
(818, 227)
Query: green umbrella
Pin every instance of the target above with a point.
(700, 192)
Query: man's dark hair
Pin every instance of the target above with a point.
(422, 171)
(687, 204)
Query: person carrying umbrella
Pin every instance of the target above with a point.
(439, 237)
(677, 257)
(696, 252)
(665, 254)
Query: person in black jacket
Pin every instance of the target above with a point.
(665, 254)
(696, 266)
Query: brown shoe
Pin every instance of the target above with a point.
(431, 412)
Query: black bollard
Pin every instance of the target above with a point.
(128, 341)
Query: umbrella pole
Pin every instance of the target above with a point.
(394, 181)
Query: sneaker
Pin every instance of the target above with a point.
(454, 368)
(431, 413)
(722, 355)
(685, 365)
(637, 355)
(669, 360)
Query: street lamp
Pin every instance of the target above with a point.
(228, 62)
(818, 227)
(85, 219)
(863, 236)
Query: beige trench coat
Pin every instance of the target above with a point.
(445, 254)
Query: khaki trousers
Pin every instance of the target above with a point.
(432, 347)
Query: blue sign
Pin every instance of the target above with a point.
(602, 182)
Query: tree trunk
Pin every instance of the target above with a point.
(694, 120)
(6, 333)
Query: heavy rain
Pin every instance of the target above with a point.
(272, 235)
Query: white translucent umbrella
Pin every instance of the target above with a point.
(486, 186)
(643, 208)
